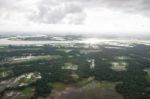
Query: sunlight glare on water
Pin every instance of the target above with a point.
(91, 41)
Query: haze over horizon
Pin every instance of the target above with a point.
(75, 16)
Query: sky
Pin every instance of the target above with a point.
(76, 16)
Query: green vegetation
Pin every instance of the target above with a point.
(26, 93)
(58, 86)
(101, 90)
(148, 74)
(118, 73)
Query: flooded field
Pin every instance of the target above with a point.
(74, 68)
(27, 40)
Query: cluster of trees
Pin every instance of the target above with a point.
(133, 84)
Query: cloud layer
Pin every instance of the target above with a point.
(63, 11)
(55, 11)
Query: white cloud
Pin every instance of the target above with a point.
(55, 12)
(88, 15)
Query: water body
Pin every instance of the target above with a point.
(126, 43)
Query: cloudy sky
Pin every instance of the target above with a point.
(75, 15)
